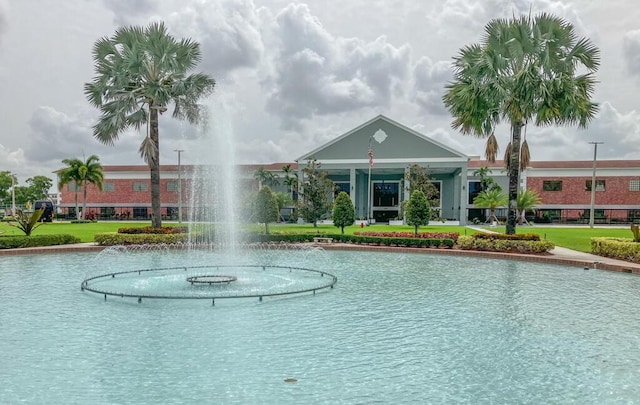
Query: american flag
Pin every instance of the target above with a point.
(370, 153)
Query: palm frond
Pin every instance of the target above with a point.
(492, 148)
(507, 156)
(525, 156)
(148, 151)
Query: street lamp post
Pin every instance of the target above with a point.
(593, 184)
(179, 186)
(13, 195)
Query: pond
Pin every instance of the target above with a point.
(397, 327)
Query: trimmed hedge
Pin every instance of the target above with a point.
(357, 239)
(111, 239)
(83, 221)
(616, 248)
(166, 230)
(504, 245)
(427, 235)
(22, 241)
(503, 236)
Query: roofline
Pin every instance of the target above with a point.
(390, 121)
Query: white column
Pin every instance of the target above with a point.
(464, 193)
(352, 185)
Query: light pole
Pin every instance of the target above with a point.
(179, 186)
(13, 195)
(593, 183)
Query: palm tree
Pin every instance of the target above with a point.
(290, 179)
(140, 72)
(82, 174)
(526, 69)
(265, 178)
(491, 199)
(527, 200)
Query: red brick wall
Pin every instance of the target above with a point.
(574, 192)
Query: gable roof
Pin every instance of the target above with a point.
(401, 143)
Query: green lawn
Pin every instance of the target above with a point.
(578, 238)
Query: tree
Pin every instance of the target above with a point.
(290, 179)
(486, 181)
(317, 188)
(265, 178)
(38, 187)
(527, 200)
(266, 207)
(418, 211)
(526, 69)
(140, 72)
(344, 213)
(418, 178)
(283, 199)
(7, 179)
(82, 174)
(491, 199)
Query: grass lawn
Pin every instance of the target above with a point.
(578, 238)
(83, 231)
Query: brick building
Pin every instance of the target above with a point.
(376, 182)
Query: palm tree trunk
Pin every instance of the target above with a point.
(514, 177)
(154, 166)
(84, 199)
(77, 211)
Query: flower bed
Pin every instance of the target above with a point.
(425, 235)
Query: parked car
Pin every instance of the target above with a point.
(47, 215)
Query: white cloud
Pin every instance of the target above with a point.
(317, 73)
(631, 51)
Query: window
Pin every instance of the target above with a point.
(599, 185)
(634, 185)
(108, 186)
(172, 186)
(140, 186)
(552, 185)
(386, 194)
(72, 186)
(341, 186)
(474, 189)
(633, 215)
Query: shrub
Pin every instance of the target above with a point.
(83, 221)
(505, 244)
(495, 236)
(22, 241)
(166, 230)
(427, 235)
(111, 239)
(617, 248)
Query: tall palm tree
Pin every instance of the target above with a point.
(526, 69)
(527, 200)
(492, 199)
(82, 174)
(140, 72)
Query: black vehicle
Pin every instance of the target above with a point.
(47, 215)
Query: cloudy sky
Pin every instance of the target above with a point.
(293, 75)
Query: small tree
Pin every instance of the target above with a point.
(27, 222)
(418, 211)
(527, 200)
(491, 199)
(266, 207)
(344, 213)
(314, 197)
